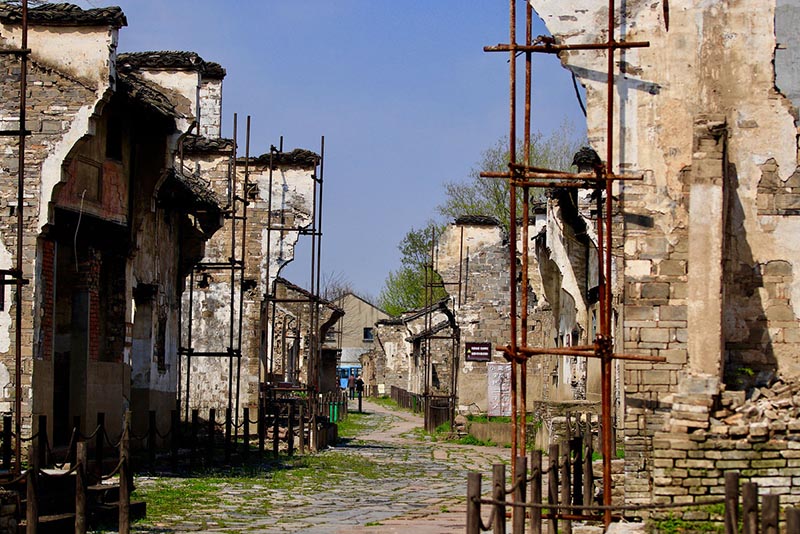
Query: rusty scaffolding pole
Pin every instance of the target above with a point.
(15, 276)
(314, 300)
(431, 284)
(525, 176)
(235, 269)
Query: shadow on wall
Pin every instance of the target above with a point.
(757, 310)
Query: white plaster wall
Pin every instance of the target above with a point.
(86, 53)
(185, 83)
(292, 191)
(211, 108)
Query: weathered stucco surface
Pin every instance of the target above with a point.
(699, 116)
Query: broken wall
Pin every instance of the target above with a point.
(710, 231)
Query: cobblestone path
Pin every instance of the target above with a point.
(388, 481)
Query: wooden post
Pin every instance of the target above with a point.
(732, 502)
(577, 469)
(588, 473)
(473, 503)
(228, 422)
(750, 508)
(175, 435)
(124, 477)
(193, 442)
(32, 509)
(290, 430)
(7, 442)
(566, 494)
(76, 430)
(769, 514)
(261, 428)
(99, 441)
(536, 492)
(42, 439)
(276, 410)
(520, 481)
(313, 433)
(552, 486)
(359, 401)
(81, 458)
(246, 432)
(793, 520)
(151, 438)
(499, 494)
(301, 425)
(212, 427)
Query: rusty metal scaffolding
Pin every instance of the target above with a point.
(314, 230)
(15, 277)
(431, 284)
(524, 176)
(234, 267)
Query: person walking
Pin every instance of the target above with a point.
(351, 385)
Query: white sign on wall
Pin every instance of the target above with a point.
(498, 378)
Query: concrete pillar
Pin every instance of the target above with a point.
(706, 241)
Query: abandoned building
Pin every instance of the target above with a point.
(703, 254)
(113, 224)
(140, 251)
(292, 337)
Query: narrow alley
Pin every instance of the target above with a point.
(388, 478)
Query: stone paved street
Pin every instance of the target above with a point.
(412, 486)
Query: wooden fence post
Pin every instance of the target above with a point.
(99, 441)
(588, 473)
(175, 435)
(520, 481)
(41, 432)
(290, 429)
(195, 436)
(260, 427)
(536, 492)
(32, 509)
(276, 410)
(81, 458)
(124, 477)
(750, 508)
(499, 494)
(151, 438)
(473, 503)
(731, 502)
(212, 427)
(228, 422)
(301, 424)
(246, 433)
(552, 486)
(566, 494)
(769, 514)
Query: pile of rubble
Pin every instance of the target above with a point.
(760, 413)
(764, 411)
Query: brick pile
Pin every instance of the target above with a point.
(756, 433)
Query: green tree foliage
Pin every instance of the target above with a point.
(490, 196)
(404, 288)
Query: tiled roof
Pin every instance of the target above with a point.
(137, 89)
(299, 158)
(170, 60)
(198, 189)
(64, 14)
(199, 144)
(477, 220)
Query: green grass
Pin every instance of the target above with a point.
(355, 423)
(385, 401)
(167, 498)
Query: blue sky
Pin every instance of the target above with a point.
(402, 91)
